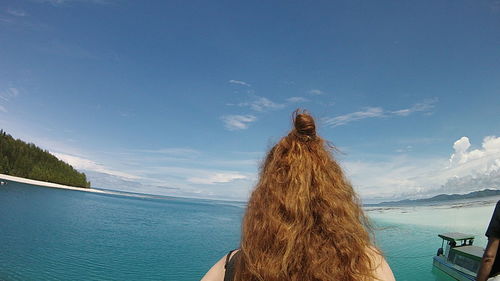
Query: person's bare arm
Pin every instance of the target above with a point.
(488, 259)
(216, 273)
(382, 271)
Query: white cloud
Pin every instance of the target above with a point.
(378, 112)
(6, 96)
(315, 92)
(6, 20)
(460, 147)
(296, 100)
(395, 177)
(221, 183)
(370, 112)
(408, 148)
(62, 2)
(262, 104)
(86, 164)
(412, 177)
(468, 183)
(107, 181)
(237, 122)
(476, 169)
(426, 105)
(239, 82)
(16, 13)
(9, 93)
(175, 151)
(482, 160)
(217, 178)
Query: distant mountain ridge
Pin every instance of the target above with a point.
(443, 197)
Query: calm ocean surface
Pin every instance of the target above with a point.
(53, 234)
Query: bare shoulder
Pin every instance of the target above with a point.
(383, 271)
(216, 273)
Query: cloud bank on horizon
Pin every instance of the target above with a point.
(396, 178)
(403, 177)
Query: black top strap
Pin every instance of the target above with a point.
(227, 257)
(230, 263)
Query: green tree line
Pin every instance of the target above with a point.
(26, 160)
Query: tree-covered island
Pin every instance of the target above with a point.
(26, 160)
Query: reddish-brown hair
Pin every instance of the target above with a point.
(304, 220)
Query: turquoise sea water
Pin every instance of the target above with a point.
(54, 234)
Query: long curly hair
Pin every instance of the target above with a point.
(303, 220)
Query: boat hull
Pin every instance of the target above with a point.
(451, 269)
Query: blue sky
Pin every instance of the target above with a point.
(185, 97)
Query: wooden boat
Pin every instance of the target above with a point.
(458, 258)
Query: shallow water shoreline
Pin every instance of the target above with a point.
(448, 204)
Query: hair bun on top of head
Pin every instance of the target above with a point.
(304, 124)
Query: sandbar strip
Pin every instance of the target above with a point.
(48, 184)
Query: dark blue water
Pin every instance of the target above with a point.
(54, 234)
